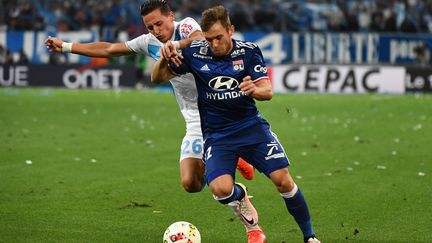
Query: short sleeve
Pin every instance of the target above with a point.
(257, 68)
(187, 26)
(139, 44)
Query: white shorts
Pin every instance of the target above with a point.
(192, 147)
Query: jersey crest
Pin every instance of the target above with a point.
(238, 65)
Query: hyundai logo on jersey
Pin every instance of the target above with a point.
(222, 83)
(225, 85)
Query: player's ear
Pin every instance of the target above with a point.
(231, 30)
(171, 15)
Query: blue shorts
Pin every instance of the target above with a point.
(258, 145)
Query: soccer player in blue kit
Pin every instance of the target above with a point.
(229, 75)
(164, 31)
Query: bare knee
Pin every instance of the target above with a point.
(191, 173)
(282, 180)
(286, 185)
(222, 191)
(222, 186)
(191, 185)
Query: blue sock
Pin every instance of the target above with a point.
(298, 208)
(237, 194)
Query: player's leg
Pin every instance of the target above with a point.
(192, 174)
(220, 170)
(269, 157)
(239, 202)
(244, 209)
(192, 167)
(294, 201)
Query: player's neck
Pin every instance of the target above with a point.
(171, 36)
(231, 48)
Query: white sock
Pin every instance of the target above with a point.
(223, 198)
(291, 193)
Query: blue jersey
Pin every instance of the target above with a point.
(224, 108)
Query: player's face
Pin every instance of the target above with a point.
(159, 25)
(219, 39)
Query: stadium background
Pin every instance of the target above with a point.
(89, 161)
(334, 33)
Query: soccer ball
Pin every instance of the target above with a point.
(182, 232)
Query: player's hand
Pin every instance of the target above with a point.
(248, 86)
(54, 44)
(169, 52)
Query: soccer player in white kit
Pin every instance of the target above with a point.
(159, 20)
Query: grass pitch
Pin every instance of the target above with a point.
(102, 166)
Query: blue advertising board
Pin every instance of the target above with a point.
(339, 48)
(278, 48)
(32, 43)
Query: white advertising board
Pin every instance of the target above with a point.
(338, 79)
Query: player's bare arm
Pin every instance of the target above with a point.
(259, 90)
(169, 50)
(197, 35)
(94, 49)
(161, 72)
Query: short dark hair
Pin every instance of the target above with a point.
(212, 15)
(150, 5)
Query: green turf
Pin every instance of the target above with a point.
(104, 168)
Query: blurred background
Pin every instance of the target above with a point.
(360, 33)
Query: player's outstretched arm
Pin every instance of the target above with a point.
(93, 49)
(259, 90)
(161, 72)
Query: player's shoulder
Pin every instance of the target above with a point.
(199, 43)
(245, 44)
(198, 49)
(245, 48)
(187, 26)
(145, 38)
(140, 44)
(187, 20)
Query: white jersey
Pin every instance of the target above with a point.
(184, 86)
